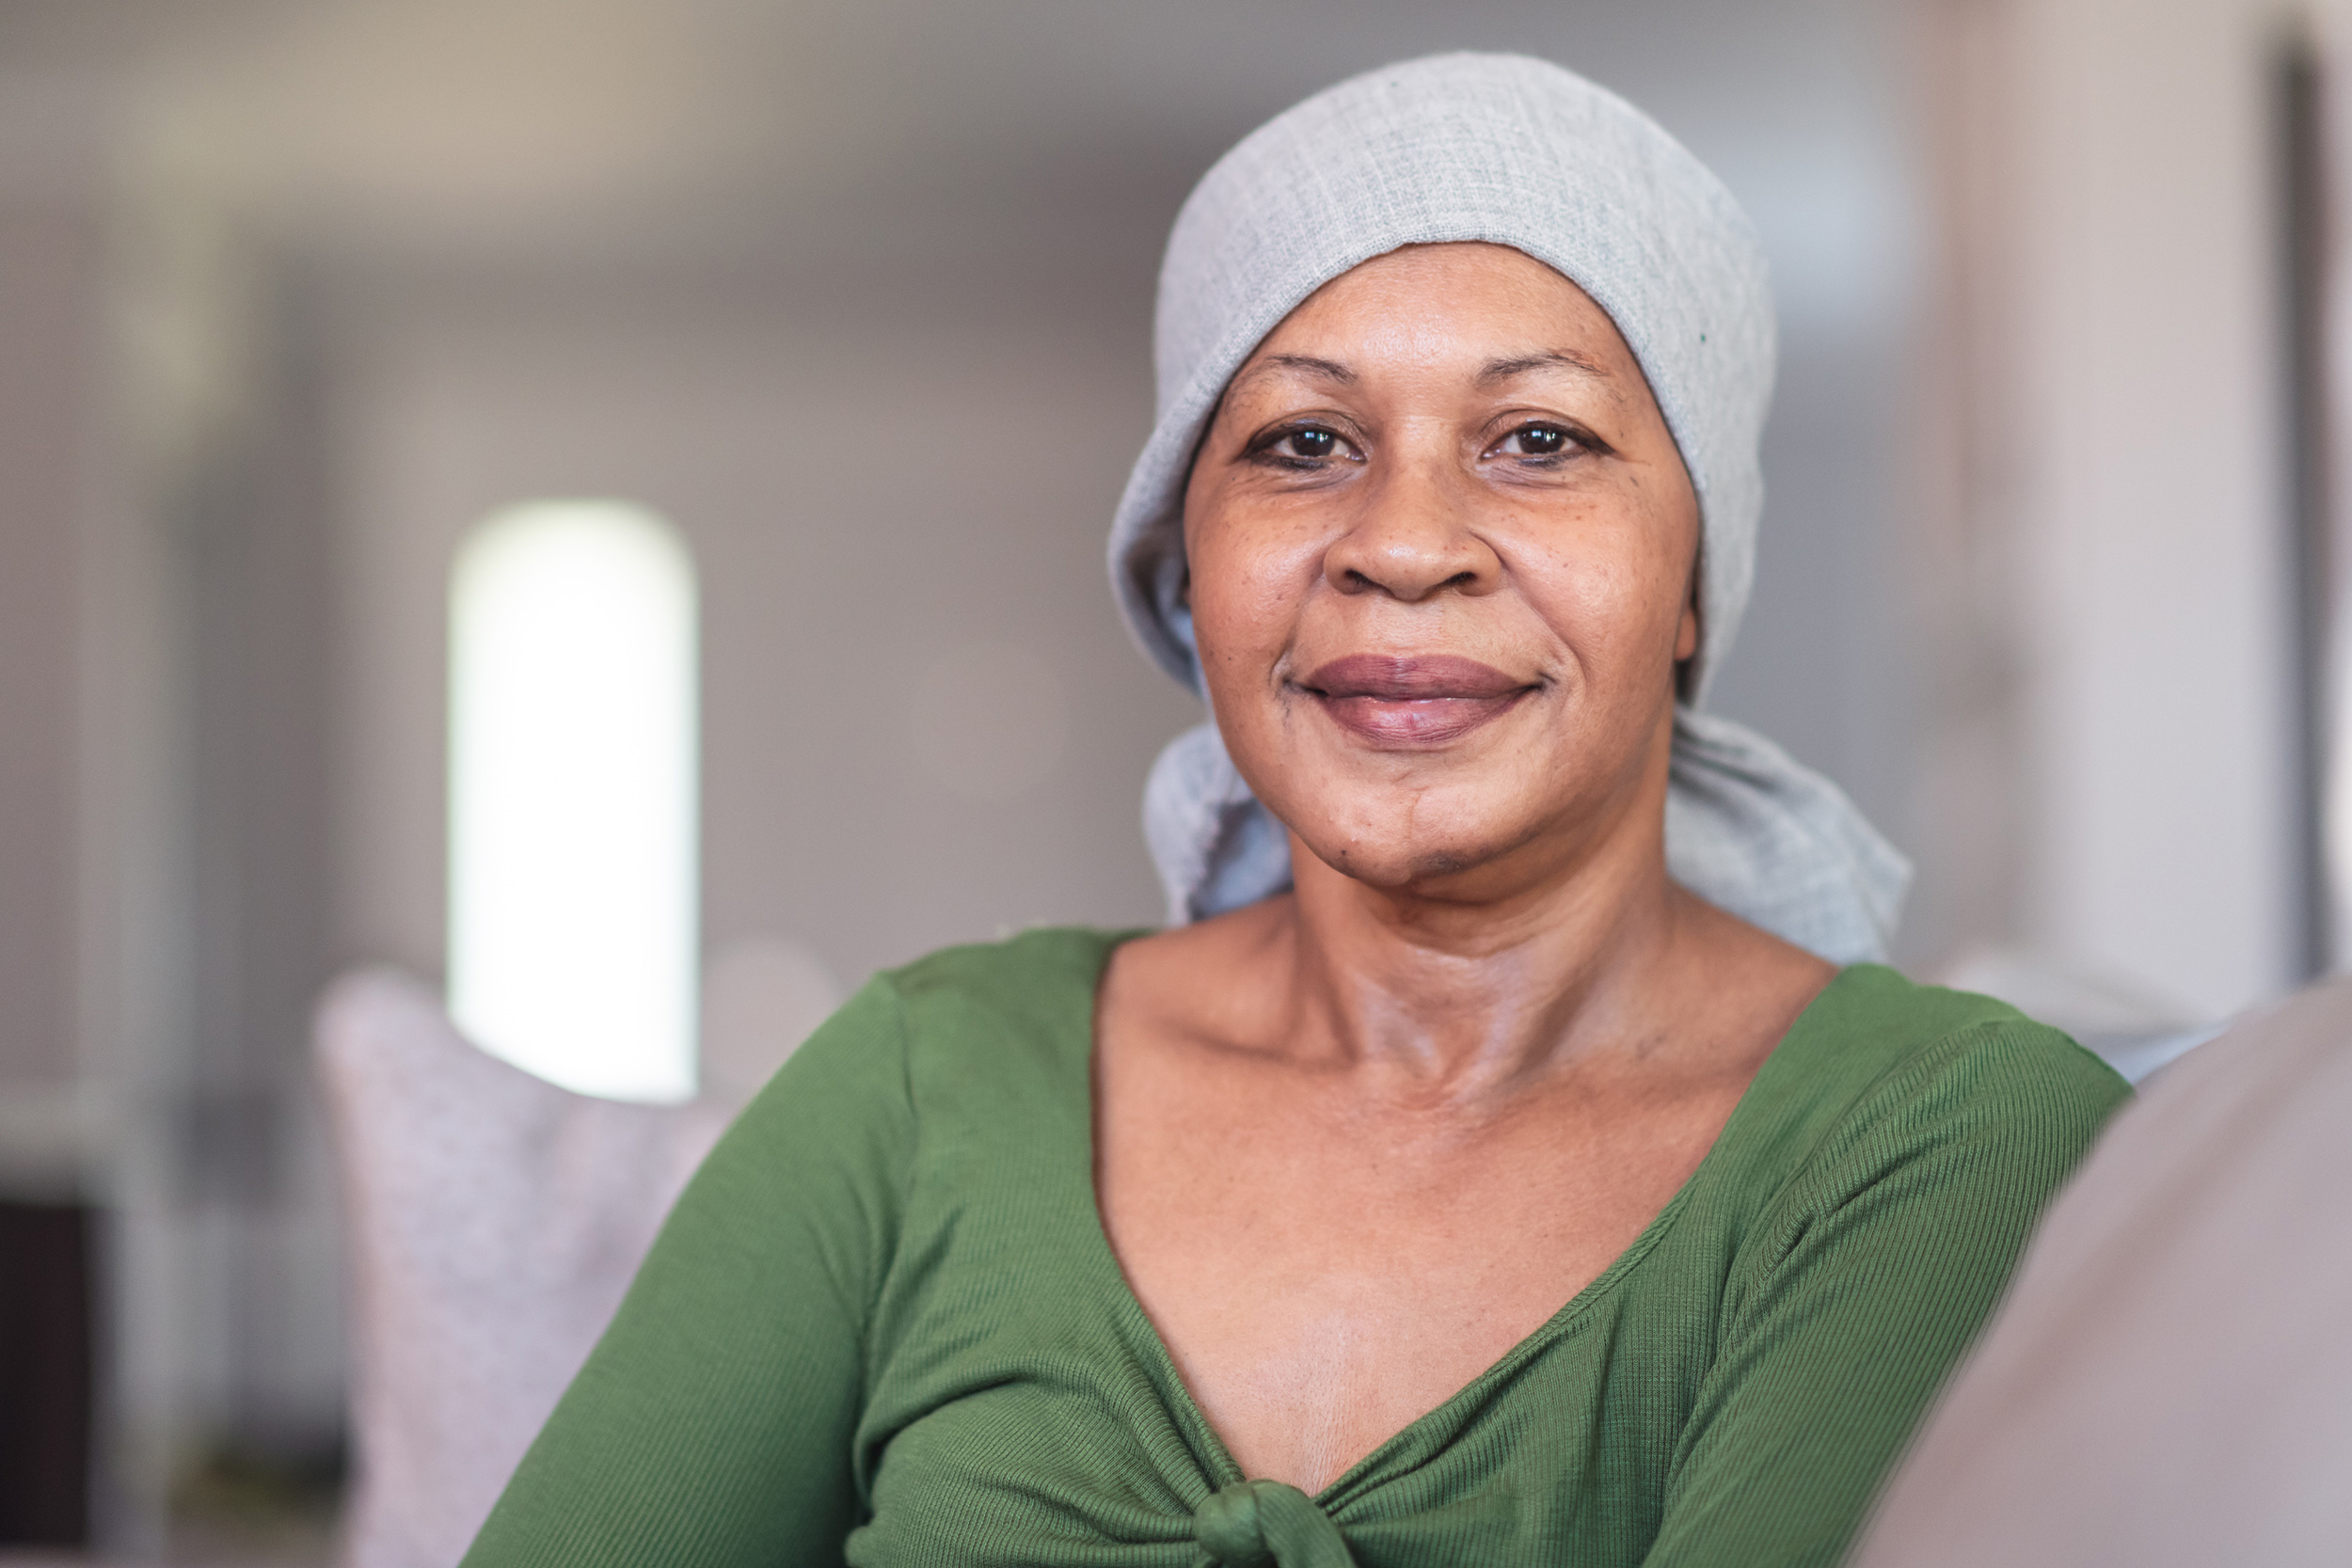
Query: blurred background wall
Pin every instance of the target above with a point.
(292, 295)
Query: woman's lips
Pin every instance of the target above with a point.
(1422, 702)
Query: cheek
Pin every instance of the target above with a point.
(1612, 593)
(1248, 578)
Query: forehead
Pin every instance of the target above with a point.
(1459, 305)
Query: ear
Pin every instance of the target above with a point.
(1687, 639)
(1687, 633)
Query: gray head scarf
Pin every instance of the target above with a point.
(1519, 152)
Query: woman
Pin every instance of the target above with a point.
(1499, 979)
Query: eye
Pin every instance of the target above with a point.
(1538, 440)
(1303, 446)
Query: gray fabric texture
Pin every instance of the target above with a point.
(1520, 152)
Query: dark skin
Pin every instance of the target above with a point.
(1355, 1143)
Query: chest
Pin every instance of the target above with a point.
(1324, 1271)
(1018, 1323)
(966, 1475)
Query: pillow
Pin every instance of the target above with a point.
(494, 1221)
(2168, 1381)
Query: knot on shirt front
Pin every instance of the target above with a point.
(1267, 1524)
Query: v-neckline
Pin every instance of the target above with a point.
(1187, 1409)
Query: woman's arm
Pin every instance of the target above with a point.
(713, 1423)
(1868, 1279)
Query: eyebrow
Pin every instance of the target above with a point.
(1323, 369)
(1553, 358)
(1494, 372)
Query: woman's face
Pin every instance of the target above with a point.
(1441, 548)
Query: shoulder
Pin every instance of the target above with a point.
(1215, 980)
(1041, 968)
(971, 1036)
(1882, 1072)
(1034, 991)
(1038, 985)
(995, 1033)
(1885, 1033)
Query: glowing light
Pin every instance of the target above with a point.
(572, 796)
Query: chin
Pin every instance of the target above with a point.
(1388, 848)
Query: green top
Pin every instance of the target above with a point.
(883, 1325)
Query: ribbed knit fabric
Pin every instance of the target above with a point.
(883, 1325)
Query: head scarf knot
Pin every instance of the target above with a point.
(1513, 151)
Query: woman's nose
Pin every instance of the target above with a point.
(1413, 538)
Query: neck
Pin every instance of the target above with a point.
(1461, 996)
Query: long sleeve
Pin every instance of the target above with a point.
(713, 1424)
(1864, 1282)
